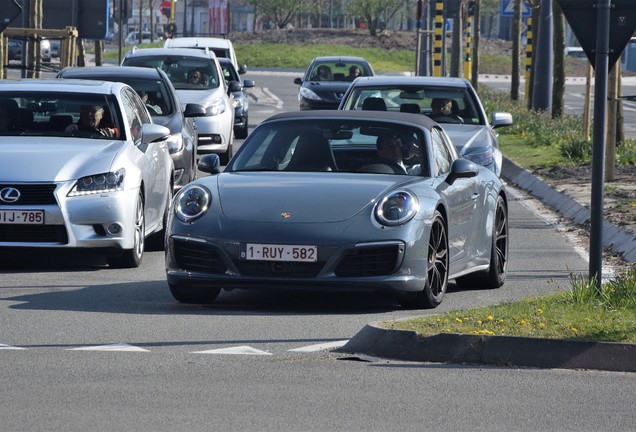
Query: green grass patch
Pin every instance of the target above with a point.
(517, 149)
(298, 56)
(580, 312)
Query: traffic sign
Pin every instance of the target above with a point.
(508, 8)
(582, 17)
(10, 11)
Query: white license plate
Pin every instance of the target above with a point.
(22, 217)
(276, 252)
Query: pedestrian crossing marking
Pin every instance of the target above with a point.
(241, 350)
(9, 347)
(319, 347)
(112, 347)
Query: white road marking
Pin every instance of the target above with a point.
(113, 347)
(9, 347)
(241, 350)
(319, 347)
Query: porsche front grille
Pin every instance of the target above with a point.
(370, 261)
(194, 256)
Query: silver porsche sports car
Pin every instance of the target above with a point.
(340, 200)
(82, 166)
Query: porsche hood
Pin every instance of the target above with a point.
(299, 197)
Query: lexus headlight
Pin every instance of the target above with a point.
(99, 183)
(218, 107)
(308, 94)
(192, 202)
(397, 208)
(483, 156)
(175, 143)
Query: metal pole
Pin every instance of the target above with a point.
(598, 153)
(120, 30)
(542, 74)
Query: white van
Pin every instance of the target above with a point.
(220, 46)
(133, 38)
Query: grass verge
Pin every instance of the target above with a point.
(578, 312)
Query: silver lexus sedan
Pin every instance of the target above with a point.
(81, 166)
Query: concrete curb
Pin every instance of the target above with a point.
(374, 340)
(614, 237)
(406, 345)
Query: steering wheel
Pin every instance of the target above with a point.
(383, 167)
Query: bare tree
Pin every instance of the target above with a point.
(516, 50)
(370, 11)
(281, 12)
(474, 76)
(558, 83)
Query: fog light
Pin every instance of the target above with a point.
(114, 229)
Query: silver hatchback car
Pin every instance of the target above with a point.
(82, 166)
(198, 78)
(451, 102)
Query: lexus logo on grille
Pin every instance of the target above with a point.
(9, 195)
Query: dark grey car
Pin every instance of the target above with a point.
(239, 99)
(164, 106)
(310, 202)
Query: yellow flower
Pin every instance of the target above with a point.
(483, 332)
(522, 322)
(500, 321)
(479, 322)
(539, 311)
(574, 329)
(459, 320)
(489, 318)
(541, 325)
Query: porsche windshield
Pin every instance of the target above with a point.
(353, 146)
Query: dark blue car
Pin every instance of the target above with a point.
(327, 79)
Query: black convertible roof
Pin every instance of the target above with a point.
(413, 119)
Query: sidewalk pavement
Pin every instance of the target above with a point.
(374, 340)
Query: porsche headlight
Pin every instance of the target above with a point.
(192, 202)
(397, 208)
(308, 94)
(175, 143)
(99, 183)
(217, 107)
(483, 156)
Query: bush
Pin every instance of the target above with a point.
(538, 128)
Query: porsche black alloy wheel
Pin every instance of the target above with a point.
(495, 275)
(436, 269)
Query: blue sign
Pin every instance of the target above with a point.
(508, 8)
